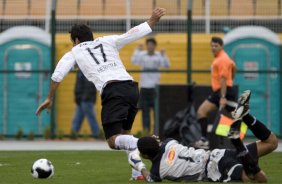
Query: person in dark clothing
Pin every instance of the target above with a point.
(85, 98)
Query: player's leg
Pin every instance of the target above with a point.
(116, 102)
(116, 139)
(266, 144)
(267, 140)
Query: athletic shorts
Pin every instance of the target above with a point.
(224, 166)
(119, 106)
(231, 95)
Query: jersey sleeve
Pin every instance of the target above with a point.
(132, 35)
(66, 63)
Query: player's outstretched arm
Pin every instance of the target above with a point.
(139, 31)
(47, 104)
(156, 15)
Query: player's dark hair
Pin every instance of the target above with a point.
(82, 32)
(148, 146)
(218, 40)
(151, 40)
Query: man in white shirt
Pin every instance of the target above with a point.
(100, 63)
(151, 60)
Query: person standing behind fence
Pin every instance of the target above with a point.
(85, 98)
(223, 71)
(149, 60)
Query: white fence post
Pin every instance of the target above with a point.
(207, 16)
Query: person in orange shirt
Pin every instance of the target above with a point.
(223, 71)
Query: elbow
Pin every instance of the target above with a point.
(56, 79)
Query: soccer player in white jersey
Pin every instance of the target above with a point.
(173, 161)
(99, 61)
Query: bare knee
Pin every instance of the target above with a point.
(267, 146)
(273, 142)
(111, 142)
(202, 112)
(204, 109)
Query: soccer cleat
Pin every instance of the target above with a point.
(203, 143)
(135, 160)
(137, 178)
(242, 108)
(136, 175)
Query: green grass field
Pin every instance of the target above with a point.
(90, 167)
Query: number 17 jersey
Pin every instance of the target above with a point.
(99, 60)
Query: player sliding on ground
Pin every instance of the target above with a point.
(173, 161)
(99, 61)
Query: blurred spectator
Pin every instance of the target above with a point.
(85, 98)
(149, 60)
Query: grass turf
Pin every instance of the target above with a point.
(90, 167)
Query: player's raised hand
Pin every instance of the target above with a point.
(47, 104)
(156, 15)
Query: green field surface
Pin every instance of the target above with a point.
(90, 167)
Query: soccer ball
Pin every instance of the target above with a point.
(42, 168)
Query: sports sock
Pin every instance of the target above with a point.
(257, 127)
(126, 142)
(204, 125)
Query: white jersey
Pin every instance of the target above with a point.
(99, 60)
(179, 163)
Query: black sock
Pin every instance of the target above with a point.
(204, 125)
(258, 129)
(239, 145)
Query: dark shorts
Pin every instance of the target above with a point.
(230, 166)
(119, 107)
(231, 95)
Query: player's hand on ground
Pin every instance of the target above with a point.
(156, 15)
(45, 105)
